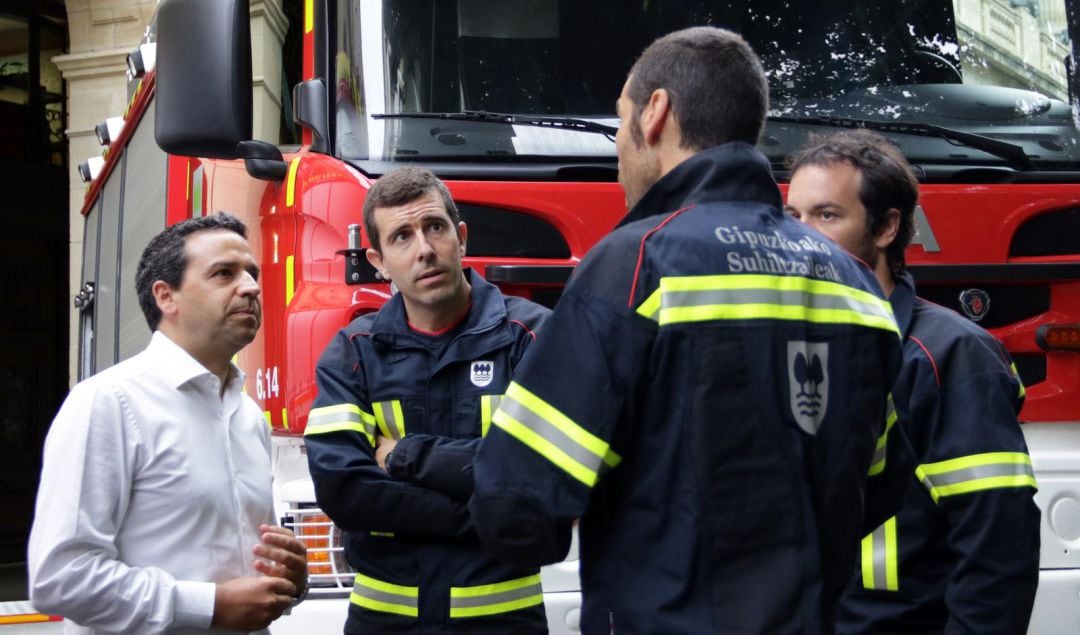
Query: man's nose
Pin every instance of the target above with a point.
(424, 250)
(248, 285)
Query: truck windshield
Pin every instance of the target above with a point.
(992, 68)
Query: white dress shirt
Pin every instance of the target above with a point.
(153, 487)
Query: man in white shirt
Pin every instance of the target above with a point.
(155, 507)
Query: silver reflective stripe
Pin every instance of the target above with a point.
(495, 401)
(879, 454)
(816, 300)
(495, 598)
(386, 408)
(385, 596)
(976, 472)
(550, 433)
(882, 448)
(880, 557)
(340, 417)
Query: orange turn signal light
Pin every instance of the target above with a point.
(314, 532)
(1058, 337)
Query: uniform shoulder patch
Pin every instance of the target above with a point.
(808, 383)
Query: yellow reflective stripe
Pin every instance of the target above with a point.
(492, 599)
(285, 418)
(553, 435)
(290, 278)
(266, 415)
(340, 417)
(877, 463)
(866, 560)
(290, 182)
(650, 308)
(892, 577)
(388, 415)
(309, 16)
(744, 297)
(879, 558)
(377, 595)
(488, 405)
(1016, 373)
(977, 472)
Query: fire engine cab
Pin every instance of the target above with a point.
(512, 104)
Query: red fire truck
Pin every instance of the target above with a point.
(512, 104)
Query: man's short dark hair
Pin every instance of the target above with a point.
(165, 258)
(887, 181)
(401, 186)
(715, 83)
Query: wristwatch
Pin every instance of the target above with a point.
(386, 461)
(302, 594)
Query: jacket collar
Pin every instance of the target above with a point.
(391, 322)
(902, 300)
(730, 172)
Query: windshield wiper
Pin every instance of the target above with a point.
(1012, 153)
(481, 116)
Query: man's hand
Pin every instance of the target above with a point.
(383, 446)
(250, 604)
(283, 556)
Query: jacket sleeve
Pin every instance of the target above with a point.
(978, 472)
(91, 457)
(437, 463)
(551, 439)
(890, 472)
(350, 487)
(445, 464)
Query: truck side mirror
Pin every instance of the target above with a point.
(203, 81)
(263, 160)
(310, 111)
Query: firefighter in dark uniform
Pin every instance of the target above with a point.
(709, 394)
(405, 395)
(962, 556)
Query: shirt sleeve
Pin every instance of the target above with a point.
(551, 438)
(349, 485)
(91, 456)
(978, 472)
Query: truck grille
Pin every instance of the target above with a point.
(328, 571)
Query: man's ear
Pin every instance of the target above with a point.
(164, 297)
(463, 234)
(375, 258)
(654, 115)
(889, 228)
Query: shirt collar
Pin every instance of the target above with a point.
(178, 366)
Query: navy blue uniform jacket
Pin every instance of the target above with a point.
(420, 568)
(962, 556)
(708, 398)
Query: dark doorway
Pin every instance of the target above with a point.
(33, 257)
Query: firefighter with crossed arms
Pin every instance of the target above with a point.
(962, 556)
(405, 396)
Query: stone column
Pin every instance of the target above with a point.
(102, 33)
(268, 27)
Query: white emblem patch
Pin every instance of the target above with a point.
(482, 373)
(808, 382)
